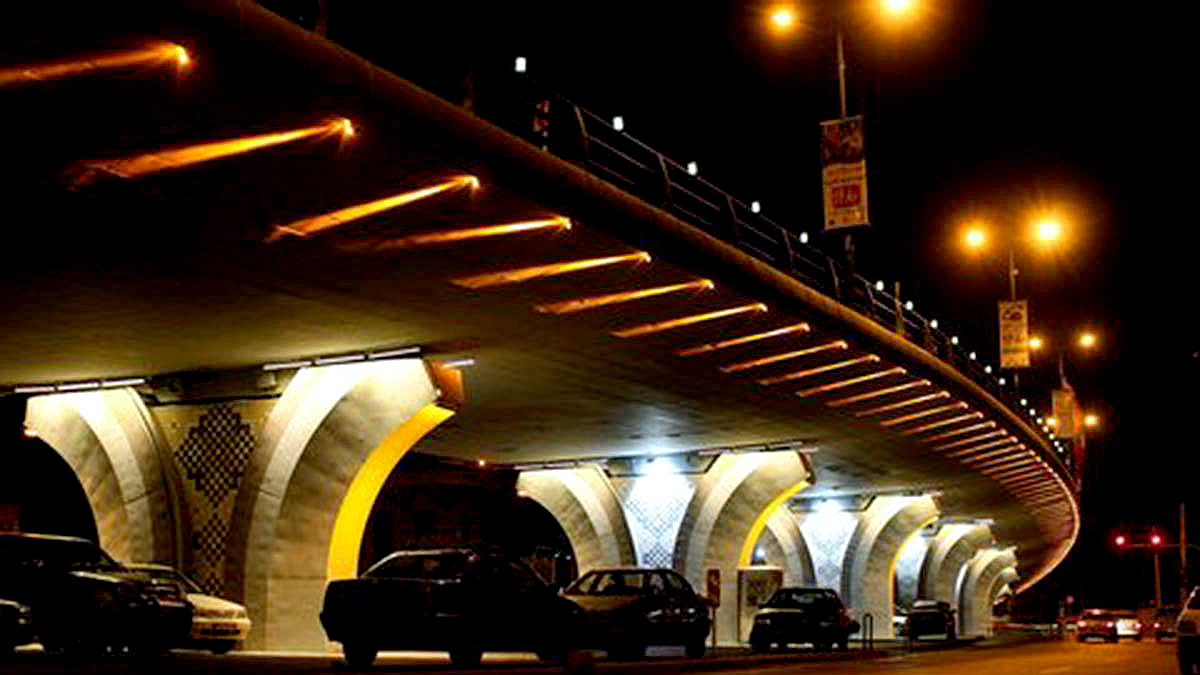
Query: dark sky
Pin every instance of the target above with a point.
(986, 109)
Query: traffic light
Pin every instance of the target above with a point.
(1156, 539)
(1119, 540)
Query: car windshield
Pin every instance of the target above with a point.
(611, 582)
(793, 598)
(925, 604)
(420, 566)
(188, 585)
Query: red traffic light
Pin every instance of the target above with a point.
(1155, 540)
(1120, 540)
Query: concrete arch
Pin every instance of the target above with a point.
(325, 451)
(953, 546)
(585, 505)
(784, 541)
(109, 442)
(868, 568)
(979, 589)
(729, 510)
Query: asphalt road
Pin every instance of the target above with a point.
(1040, 658)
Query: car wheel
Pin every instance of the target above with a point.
(359, 656)
(695, 647)
(844, 644)
(1186, 667)
(821, 646)
(221, 646)
(760, 646)
(466, 656)
(1081, 638)
(1114, 639)
(951, 634)
(1137, 638)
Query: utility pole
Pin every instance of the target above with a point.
(1183, 568)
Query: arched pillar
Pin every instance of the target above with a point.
(869, 565)
(979, 589)
(107, 439)
(952, 548)
(785, 546)
(326, 449)
(729, 510)
(586, 507)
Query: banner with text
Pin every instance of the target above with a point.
(1014, 334)
(844, 173)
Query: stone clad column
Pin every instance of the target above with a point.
(980, 586)
(585, 506)
(953, 547)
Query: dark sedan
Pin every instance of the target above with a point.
(629, 609)
(930, 617)
(802, 615)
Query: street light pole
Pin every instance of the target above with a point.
(841, 69)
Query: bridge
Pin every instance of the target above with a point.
(256, 271)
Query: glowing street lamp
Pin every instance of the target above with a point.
(783, 18)
(1091, 420)
(1088, 340)
(1036, 343)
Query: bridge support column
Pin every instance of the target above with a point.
(731, 507)
(869, 564)
(952, 548)
(986, 573)
(585, 505)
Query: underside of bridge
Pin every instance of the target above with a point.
(233, 342)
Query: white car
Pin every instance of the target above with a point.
(218, 625)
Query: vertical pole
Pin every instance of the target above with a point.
(1012, 276)
(1183, 568)
(1157, 582)
(841, 69)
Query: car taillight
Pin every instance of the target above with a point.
(1110, 624)
(1082, 623)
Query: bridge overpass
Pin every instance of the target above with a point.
(252, 266)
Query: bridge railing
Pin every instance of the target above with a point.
(556, 124)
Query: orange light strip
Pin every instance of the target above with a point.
(975, 451)
(976, 460)
(967, 441)
(733, 342)
(307, 226)
(941, 423)
(521, 274)
(958, 405)
(957, 432)
(450, 236)
(647, 328)
(581, 304)
(1003, 463)
(975, 454)
(162, 160)
(163, 53)
(901, 404)
(745, 365)
(864, 395)
(869, 358)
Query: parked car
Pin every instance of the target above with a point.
(628, 609)
(1112, 625)
(802, 615)
(82, 600)
(1163, 622)
(16, 625)
(464, 601)
(931, 617)
(218, 625)
(1187, 647)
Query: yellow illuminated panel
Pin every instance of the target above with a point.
(175, 158)
(866, 395)
(902, 404)
(351, 520)
(733, 342)
(942, 423)
(307, 226)
(972, 439)
(923, 413)
(158, 54)
(959, 432)
(869, 358)
(659, 326)
(733, 368)
(581, 304)
(515, 276)
(451, 236)
(747, 555)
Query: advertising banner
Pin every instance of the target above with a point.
(1014, 334)
(844, 173)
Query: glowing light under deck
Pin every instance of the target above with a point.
(659, 326)
(581, 304)
(451, 236)
(958, 432)
(733, 342)
(518, 275)
(976, 450)
(158, 54)
(175, 158)
(733, 368)
(941, 423)
(869, 358)
(967, 441)
(865, 395)
(923, 413)
(902, 404)
(308, 226)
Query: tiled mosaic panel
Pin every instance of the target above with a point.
(827, 536)
(654, 508)
(212, 458)
(908, 568)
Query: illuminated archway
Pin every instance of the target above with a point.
(586, 507)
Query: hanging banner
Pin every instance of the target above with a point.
(1014, 334)
(844, 173)
(1066, 414)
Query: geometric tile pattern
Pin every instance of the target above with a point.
(827, 536)
(654, 508)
